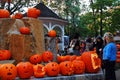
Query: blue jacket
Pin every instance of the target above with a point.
(109, 52)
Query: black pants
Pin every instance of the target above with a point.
(109, 67)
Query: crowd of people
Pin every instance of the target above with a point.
(105, 48)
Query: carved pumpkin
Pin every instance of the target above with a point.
(33, 12)
(25, 70)
(4, 13)
(52, 33)
(79, 66)
(39, 71)
(66, 68)
(52, 69)
(8, 71)
(47, 56)
(5, 54)
(92, 61)
(35, 58)
(24, 30)
(18, 15)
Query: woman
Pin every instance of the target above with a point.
(99, 46)
(109, 57)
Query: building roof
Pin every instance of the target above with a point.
(46, 12)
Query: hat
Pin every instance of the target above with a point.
(108, 34)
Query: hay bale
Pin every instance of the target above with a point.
(21, 46)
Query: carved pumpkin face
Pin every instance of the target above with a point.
(92, 61)
(47, 56)
(39, 71)
(25, 69)
(8, 71)
(36, 58)
(52, 69)
(24, 30)
(52, 33)
(79, 67)
(5, 54)
(66, 68)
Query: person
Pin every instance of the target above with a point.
(109, 56)
(75, 45)
(82, 46)
(98, 44)
(89, 44)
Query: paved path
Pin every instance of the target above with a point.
(118, 74)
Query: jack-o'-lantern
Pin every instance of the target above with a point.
(79, 66)
(8, 71)
(52, 33)
(35, 58)
(39, 71)
(24, 30)
(5, 54)
(52, 69)
(4, 13)
(66, 68)
(25, 70)
(92, 61)
(47, 56)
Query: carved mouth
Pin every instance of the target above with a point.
(9, 73)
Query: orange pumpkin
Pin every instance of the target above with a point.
(18, 15)
(4, 13)
(52, 69)
(39, 71)
(79, 66)
(66, 68)
(72, 57)
(25, 70)
(52, 33)
(33, 12)
(47, 56)
(8, 71)
(24, 30)
(35, 58)
(92, 61)
(5, 54)
(63, 58)
(78, 58)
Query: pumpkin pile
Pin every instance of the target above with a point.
(67, 66)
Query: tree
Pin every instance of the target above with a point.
(100, 6)
(16, 5)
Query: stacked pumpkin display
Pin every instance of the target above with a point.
(66, 65)
(87, 62)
